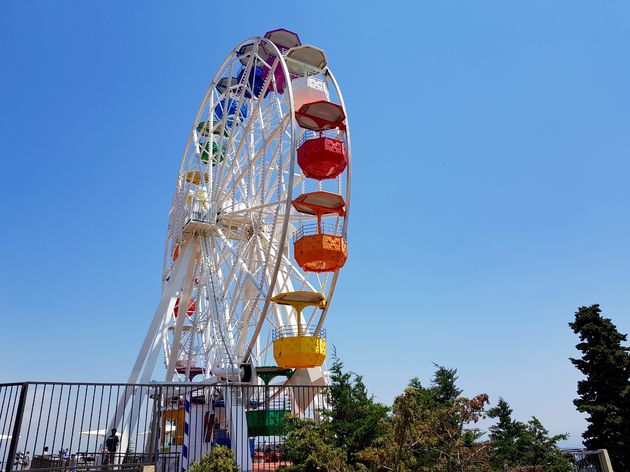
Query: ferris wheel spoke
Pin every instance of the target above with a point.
(237, 258)
(288, 268)
(227, 192)
(238, 152)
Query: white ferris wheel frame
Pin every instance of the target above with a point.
(220, 336)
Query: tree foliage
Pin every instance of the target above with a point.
(604, 395)
(309, 446)
(355, 418)
(429, 430)
(517, 444)
(219, 459)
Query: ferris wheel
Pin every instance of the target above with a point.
(258, 223)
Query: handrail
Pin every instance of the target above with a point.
(292, 332)
(336, 134)
(312, 229)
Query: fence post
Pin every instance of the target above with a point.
(604, 460)
(17, 426)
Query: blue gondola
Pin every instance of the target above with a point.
(221, 109)
(254, 82)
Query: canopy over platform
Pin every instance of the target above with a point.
(225, 83)
(283, 39)
(268, 372)
(300, 299)
(306, 55)
(320, 203)
(243, 52)
(320, 116)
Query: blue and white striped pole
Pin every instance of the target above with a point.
(186, 434)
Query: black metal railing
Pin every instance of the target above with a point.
(587, 461)
(64, 426)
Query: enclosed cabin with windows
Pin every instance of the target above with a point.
(307, 67)
(320, 247)
(299, 346)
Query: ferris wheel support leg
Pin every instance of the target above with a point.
(147, 357)
(186, 291)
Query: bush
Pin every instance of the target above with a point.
(220, 459)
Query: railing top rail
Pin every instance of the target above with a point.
(155, 384)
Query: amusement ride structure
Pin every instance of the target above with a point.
(257, 227)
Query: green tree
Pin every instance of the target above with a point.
(604, 395)
(309, 446)
(445, 390)
(430, 430)
(354, 417)
(515, 444)
(219, 459)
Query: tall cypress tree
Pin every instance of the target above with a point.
(604, 395)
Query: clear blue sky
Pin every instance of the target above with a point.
(490, 181)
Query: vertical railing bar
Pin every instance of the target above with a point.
(191, 444)
(17, 426)
(138, 425)
(52, 447)
(52, 396)
(89, 428)
(39, 419)
(132, 397)
(87, 387)
(147, 423)
(114, 424)
(74, 418)
(5, 412)
(122, 422)
(104, 453)
(14, 389)
(65, 421)
(99, 446)
(30, 419)
(138, 421)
